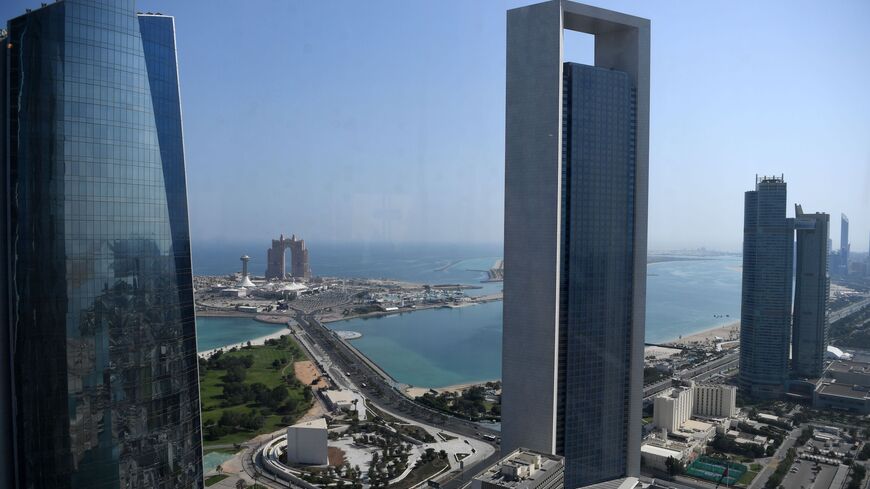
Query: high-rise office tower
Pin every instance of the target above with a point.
(576, 164)
(844, 244)
(98, 365)
(810, 325)
(765, 317)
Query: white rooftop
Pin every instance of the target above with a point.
(319, 423)
(660, 451)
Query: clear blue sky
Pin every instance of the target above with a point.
(384, 120)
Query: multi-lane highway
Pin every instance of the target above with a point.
(379, 389)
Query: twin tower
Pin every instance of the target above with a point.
(276, 262)
(770, 325)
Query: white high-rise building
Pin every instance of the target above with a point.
(715, 400)
(673, 409)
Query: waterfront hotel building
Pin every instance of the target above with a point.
(576, 165)
(98, 366)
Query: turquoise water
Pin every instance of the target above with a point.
(434, 347)
(215, 332)
(440, 347)
(211, 460)
(683, 296)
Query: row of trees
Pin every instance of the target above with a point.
(233, 421)
(779, 474)
(722, 443)
(858, 474)
(276, 399)
(471, 403)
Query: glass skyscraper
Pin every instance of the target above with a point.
(844, 245)
(103, 387)
(576, 164)
(811, 289)
(765, 318)
(595, 317)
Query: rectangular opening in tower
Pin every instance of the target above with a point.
(578, 47)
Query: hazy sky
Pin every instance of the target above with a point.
(384, 120)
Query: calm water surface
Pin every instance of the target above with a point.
(440, 347)
(215, 332)
(433, 347)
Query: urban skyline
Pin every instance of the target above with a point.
(105, 381)
(438, 166)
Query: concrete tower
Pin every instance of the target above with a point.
(276, 265)
(576, 164)
(246, 280)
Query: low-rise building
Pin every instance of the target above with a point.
(339, 399)
(849, 397)
(693, 431)
(523, 469)
(307, 443)
(715, 400)
(655, 456)
(628, 483)
(234, 292)
(849, 372)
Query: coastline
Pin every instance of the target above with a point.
(254, 342)
(414, 391)
(728, 332)
(335, 317)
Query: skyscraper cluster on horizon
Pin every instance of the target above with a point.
(576, 164)
(98, 367)
(772, 328)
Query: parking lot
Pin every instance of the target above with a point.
(809, 475)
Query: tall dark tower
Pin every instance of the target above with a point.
(576, 165)
(812, 285)
(844, 244)
(765, 318)
(98, 364)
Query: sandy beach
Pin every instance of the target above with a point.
(256, 341)
(727, 332)
(413, 392)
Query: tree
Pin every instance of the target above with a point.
(240, 484)
(674, 466)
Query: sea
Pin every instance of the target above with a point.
(449, 346)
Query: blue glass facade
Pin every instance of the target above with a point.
(765, 317)
(812, 286)
(596, 276)
(104, 385)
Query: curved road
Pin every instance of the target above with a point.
(380, 391)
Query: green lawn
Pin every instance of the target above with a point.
(262, 371)
(421, 473)
(210, 481)
(747, 477)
